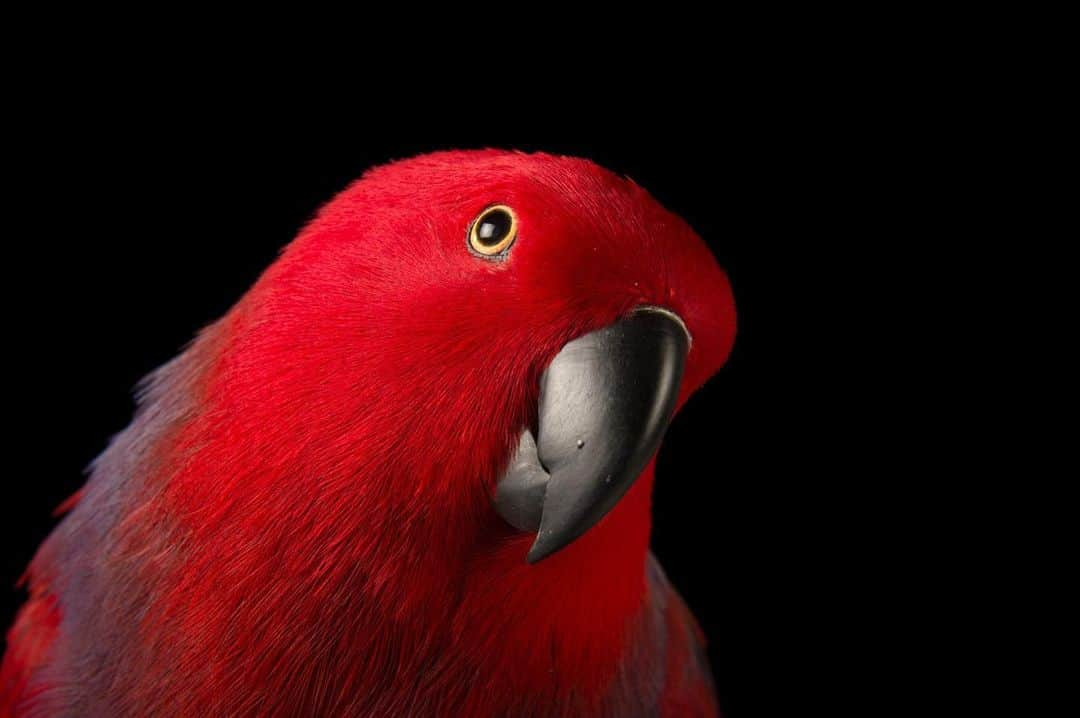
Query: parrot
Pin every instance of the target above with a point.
(408, 473)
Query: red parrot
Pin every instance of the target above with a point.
(407, 474)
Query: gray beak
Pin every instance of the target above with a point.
(605, 402)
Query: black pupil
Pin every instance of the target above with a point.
(493, 228)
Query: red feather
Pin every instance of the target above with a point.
(298, 521)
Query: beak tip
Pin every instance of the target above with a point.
(542, 548)
(537, 553)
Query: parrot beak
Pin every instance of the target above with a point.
(605, 402)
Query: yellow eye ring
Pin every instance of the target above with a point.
(493, 231)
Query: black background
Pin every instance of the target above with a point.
(140, 224)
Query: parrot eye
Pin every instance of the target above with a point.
(493, 231)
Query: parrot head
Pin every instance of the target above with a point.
(470, 334)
